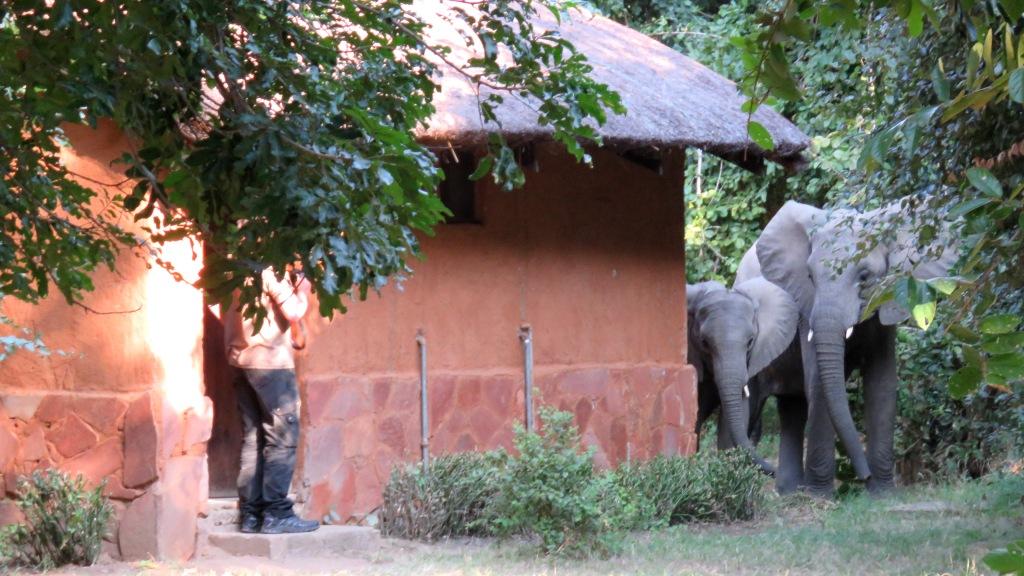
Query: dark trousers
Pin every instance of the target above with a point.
(268, 401)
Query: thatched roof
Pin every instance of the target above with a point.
(672, 100)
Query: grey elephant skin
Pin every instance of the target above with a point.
(819, 259)
(737, 340)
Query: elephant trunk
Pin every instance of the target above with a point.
(735, 412)
(830, 348)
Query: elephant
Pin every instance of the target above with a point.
(826, 262)
(733, 335)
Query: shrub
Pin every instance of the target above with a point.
(64, 523)
(939, 436)
(709, 486)
(550, 490)
(448, 501)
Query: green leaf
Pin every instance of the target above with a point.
(1009, 366)
(940, 84)
(1013, 9)
(1009, 560)
(944, 285)
(1000, 324)
(969, 206)
(985, 182)
(482, 168)
(963, 333)
(1016, 86)
(972, 357)
(924, 314)
(1003, 343)
(760, 135)
(964, 381)
(915, 20)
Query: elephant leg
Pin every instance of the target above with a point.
(820, 459)
(880, 391)
(724, 437)
(792, 421)
(755, 427)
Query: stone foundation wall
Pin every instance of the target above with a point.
(152, 458)
(357, 428)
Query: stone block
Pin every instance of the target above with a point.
(391, 433)
(358, 437)
(440, 397)
(33, 443)
(381, 393)
(21, 406)
(10, 513)
(671, 408)
(618, 438)
(327, 541)
(500, 394)
(137, 532)
(161, 524)
(72, 437)
(323, 450)
(345, 403)
(97, 463)
(405, 394)
(172, 427)
(483, 425)
(53, 408)
(141, 443)
(667, 441)
(469, 392)
(583, 409)
(103, 414)
(198, 424)
(8, 445)
(586, 383)
(115, 489)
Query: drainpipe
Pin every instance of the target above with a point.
(526, 338)
(421, 342)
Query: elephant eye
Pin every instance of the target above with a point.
(864, 276)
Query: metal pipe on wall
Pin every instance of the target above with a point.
(421, 342)
(526, 338)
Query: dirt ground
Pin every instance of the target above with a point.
(921, 530)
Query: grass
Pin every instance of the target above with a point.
(920, 530)
(798, 535)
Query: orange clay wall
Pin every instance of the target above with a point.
(120, 400)
(592, 259)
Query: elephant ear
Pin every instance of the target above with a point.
(784, 247)
(906, 256)
(696, 292)
(749, 267)
(777, 317)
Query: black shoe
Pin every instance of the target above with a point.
(249, 524)
(287, 525)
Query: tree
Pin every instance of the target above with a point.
(273, 132)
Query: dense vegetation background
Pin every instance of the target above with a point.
(855, 83)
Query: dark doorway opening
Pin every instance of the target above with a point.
(225, 444)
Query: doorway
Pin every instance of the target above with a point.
(224, 447)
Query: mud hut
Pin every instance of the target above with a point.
(582, 271)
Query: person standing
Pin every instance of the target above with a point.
(268, 400)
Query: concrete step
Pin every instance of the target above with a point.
(325, 542)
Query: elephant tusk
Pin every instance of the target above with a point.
(810, 335)
(849, 331)
(746, 391)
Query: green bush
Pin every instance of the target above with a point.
(939, 436)
(551, 490)
(448, 501)
(717, 486)
(64, 523)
